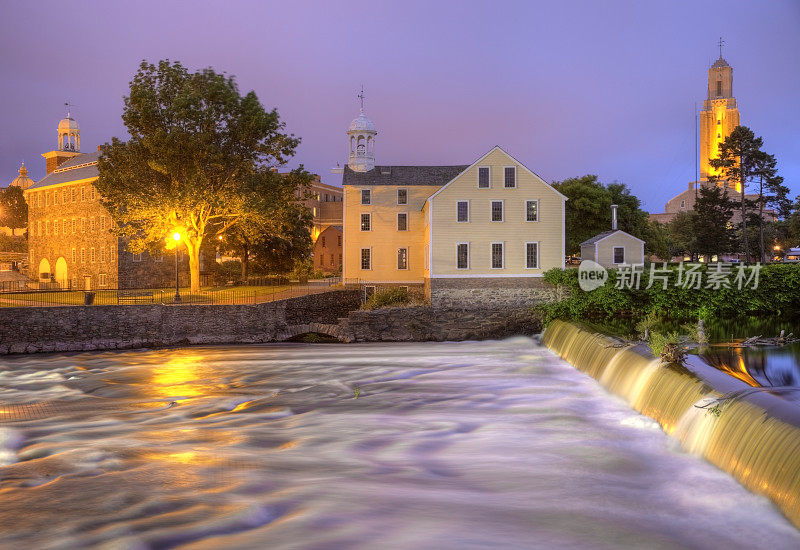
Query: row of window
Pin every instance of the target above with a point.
(497, 210)
(89, 255)
(497, 256)
(322, 260)
(102, 281)
(66, 227)
(496, 214)
(484, 182)
(339, 240)
(64, 196)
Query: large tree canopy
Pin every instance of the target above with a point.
(199, 160)
(589, 210)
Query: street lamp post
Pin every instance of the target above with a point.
(177, 300)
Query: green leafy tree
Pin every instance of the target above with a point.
(588, 210)
(682, 236)
(13, 209)
(286, 229)
(656, 240)
(198, 160)
(713, 233)
(739, 156)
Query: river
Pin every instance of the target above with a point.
(447, 445)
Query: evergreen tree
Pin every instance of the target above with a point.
(712, 224)
(738, 159)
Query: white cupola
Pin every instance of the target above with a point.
(69, 134)
(361, 141)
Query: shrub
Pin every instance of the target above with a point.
(778, 293)
(388, 297)
(669, 346)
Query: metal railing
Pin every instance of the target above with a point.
(250, 294)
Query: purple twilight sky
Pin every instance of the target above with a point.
(567, 87)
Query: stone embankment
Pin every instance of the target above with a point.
(82, 328)
(421, 324)
(335, 313)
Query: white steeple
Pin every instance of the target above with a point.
(361, 141)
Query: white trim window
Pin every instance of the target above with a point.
(402, 258)
(532, 210)
(618, 255)
(366, 222)
(402, 196)
(402, 221)
(366, 196)
(462, 211)
(92, 255)
(532, 255)
(496, 211)
(366, 258)
(497, 256)
(462, 255)
(101, 280)
(137, 257)
(484, 177)
(509, 177)
(83, 255)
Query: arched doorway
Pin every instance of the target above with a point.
(44, 270)
(61, 272)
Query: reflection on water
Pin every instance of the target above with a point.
(448, 445)
(764, 366)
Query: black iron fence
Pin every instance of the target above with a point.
(249, 294)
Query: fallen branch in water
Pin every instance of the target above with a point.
(781, 340)
(714, 405)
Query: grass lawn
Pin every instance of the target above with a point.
(207, 295)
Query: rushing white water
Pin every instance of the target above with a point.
(453, 445)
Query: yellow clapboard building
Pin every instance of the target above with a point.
(466, 235)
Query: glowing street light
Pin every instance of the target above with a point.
(177, 237)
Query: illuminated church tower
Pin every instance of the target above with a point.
(719, 115)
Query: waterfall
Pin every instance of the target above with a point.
(755, 436)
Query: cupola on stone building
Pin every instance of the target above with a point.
(70, 239)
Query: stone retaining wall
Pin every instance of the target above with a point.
(417, 324)
(494, 292)
(335, 313)
(76, 328)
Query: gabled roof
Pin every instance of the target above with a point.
(605, 234)
(490, 151)
(402, 175)
(80, 167)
